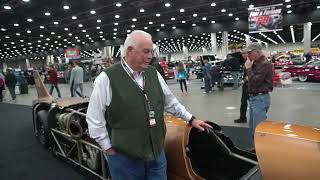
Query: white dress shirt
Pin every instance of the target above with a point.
(101, 98)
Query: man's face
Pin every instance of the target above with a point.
(253, 55)
(140, 56)
(244, 55)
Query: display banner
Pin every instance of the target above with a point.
(265, 18)
(72, 53)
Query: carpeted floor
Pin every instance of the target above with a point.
(23, 158)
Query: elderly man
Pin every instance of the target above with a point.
(259, 72)
(125, 113)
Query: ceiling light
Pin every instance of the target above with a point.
(213, 4)
(158, 30)
(41, 35)
(87, 35)
(98, 27)
(181, 10)
(101, 32)
(74, 17)
(213, 22)
(172, 19)
(133, 26)
(251, 6)
(237, 19)
(116, 24)
(287, 1)
(16, 25)
(141, 10)
(289, 12)
(66, 29)
(3, 29)
(114, 33)
(41, 27)
(134, 19)
(150, 22)
(83, 30)
(244, 0)
(56, 22)
(28, 31)
(47, 13)
(115, 29)
(128, 31)
(117, 16)
(230, 14)
(162, 25)
(318, 7)
(47, 39)
(66, 7)
(52, 33)
(25, 0)
(193, 24)
(99, 21)
(288, 6)
(183, 22)
(59, 37)
(92, 12)
(223, 10)
(80, 25)
(145, 28)
(70, 34)
(204, 18)
(29, 20)
(158, 15)
(118, 4)
(167, 4)
(7, 7)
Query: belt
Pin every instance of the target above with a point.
(257, 94)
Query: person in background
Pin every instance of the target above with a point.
(76, 79)
(53, 80)
(155, 63)
(182, 78)
(244, 94)
(2, 86)
(235, 70)
(125, 115)
(308, 57)
(259, 72)
(11, 82)
(207, 76)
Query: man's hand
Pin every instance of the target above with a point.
(248, 64)
(201, 125)
(111, 151)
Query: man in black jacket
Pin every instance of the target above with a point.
(11, 83)
(235, 70)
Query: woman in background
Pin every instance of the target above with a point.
(182, 77)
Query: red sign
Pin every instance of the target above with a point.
(72, 53)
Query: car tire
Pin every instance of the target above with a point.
(42, 128)
(303, 78)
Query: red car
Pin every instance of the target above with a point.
(169, 72)
(308, 71)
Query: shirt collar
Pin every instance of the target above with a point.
(130, 69)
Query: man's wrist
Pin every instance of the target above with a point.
(191, 119)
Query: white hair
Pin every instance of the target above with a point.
(131, 39)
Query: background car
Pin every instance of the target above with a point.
(308, 71)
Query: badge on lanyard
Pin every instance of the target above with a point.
(152, 120)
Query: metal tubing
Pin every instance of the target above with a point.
(86, 168)
(58, 144)
(71, 149)
(103, 165)
(76, 112)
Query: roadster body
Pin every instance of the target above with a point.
(284, 151)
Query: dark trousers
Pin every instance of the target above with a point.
(57, 88)
(12, 92)
(183, 81)
(207, 84)
(244, 101)
(1, 96)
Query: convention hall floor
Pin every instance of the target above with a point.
(296, 103)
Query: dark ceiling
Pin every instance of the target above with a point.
(88, 22)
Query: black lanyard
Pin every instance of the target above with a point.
(135, 81)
